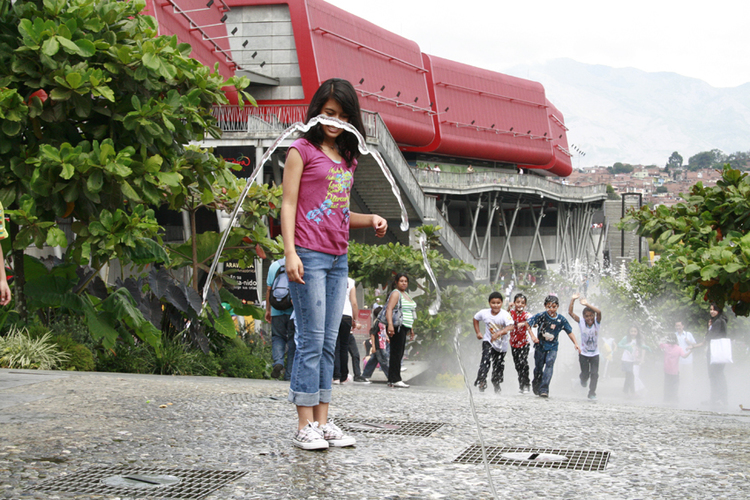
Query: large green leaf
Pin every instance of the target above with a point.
(224, 324)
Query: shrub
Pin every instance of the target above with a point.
(124, 359)
(239, 361)
(19, 350)
(81, 358)
(176, 358)
(75, 328)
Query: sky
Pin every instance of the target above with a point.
(709, 41)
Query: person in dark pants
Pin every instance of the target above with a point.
(399, 316)
(378, 349)
(498, 323)
(282, 328)
(717, 329)
(345, 338)
(589, 355)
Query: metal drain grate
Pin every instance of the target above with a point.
(143, 482)
(400, 428)
(547, 458)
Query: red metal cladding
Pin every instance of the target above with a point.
(484, 114)
(429, 103)
(197, 24)
(346, 46)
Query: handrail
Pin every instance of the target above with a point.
(425, 204)
(490, 180)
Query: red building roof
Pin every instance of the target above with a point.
(429, 104)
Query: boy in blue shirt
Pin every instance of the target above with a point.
(549, 325)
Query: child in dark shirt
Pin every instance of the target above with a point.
(549, 324)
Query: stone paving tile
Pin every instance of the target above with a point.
(79, 420)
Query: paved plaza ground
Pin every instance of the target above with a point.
(55, 426)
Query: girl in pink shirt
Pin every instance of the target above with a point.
(315, 222)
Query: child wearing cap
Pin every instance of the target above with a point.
(549, 325)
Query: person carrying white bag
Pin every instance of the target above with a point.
(718, 354)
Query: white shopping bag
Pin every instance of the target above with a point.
(721, 351)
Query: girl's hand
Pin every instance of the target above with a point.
(380, 225)
(584, 302)
(479, 336)
(391, 331)
(411, 335)
(295, 271)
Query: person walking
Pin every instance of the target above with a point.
(717, 329)
(400, 312)
(282, 325)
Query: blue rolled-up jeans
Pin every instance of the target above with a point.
(318, 306)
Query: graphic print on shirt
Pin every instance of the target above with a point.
(339, 185)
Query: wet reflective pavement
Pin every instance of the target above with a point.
(57, 425)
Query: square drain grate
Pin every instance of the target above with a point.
(547, 458)
(396, 427)
(143, 482)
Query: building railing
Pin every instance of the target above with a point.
(477, 180)
(272, 118)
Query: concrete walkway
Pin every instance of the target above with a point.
(57, 425)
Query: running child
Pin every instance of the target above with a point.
(549, 325)
(589, 354)
(498, 323)
(315, 222)
(519, 342)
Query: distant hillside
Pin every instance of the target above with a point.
(629, 115)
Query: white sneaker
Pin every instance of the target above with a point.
(336, 382)
(310, 437)
(336, 437)
(401, 384)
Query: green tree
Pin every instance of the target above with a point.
(662, 189)
(707, 159)
(706, 239)
(97, 111)
(611, 194)
(739, 160)
(675, 161)
(622, 168)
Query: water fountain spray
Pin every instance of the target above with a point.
(302, 127)
(433, 310)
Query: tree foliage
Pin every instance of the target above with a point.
(706, 239)
(707, 159)
(97, 114)
(675, 161)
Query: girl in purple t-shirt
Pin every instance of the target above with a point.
(315, 222)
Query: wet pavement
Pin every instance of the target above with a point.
(58, 425)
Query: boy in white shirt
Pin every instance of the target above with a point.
(498, 323)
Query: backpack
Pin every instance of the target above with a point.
(280, 297)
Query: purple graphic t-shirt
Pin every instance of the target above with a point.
(323, 204)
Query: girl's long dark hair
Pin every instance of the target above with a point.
(343, 93)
